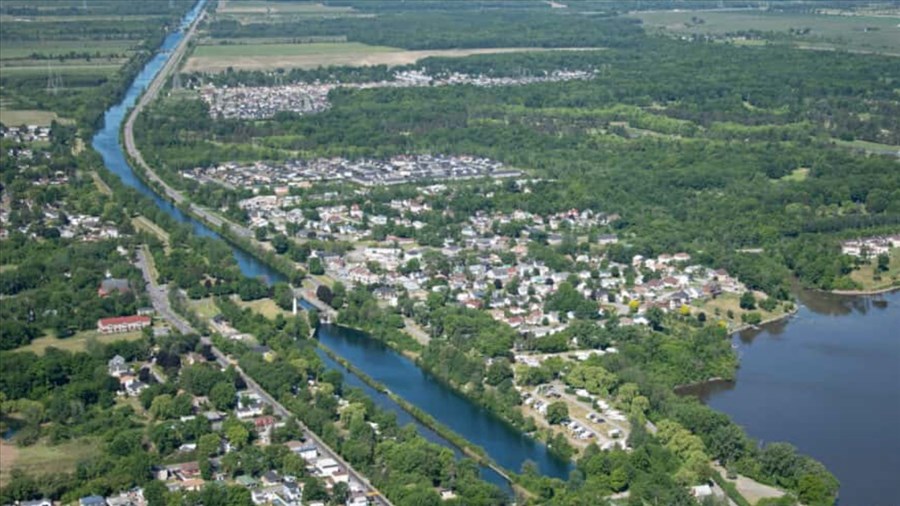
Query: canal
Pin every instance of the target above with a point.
(506, 446)
(828, 382)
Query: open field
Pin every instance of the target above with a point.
(731, 302)
(205, 308)
(26, 117)
(879, 34)
(78, 342)
(869, 147)
(865, 274)
(274, 56)
(265, 307)
(55, 48)
(264, 7)
(42, 458)
(797, 175)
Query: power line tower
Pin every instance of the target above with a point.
(54, 80)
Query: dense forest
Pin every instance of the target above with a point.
(448, 30)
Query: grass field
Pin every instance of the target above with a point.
(265, 307)
(869, 147)
(731, 302)
(102, 187)
(797, 175)
(205, 308)
(26, 117)
(42, 458)
(54, 48)
(78, 342)
(870, 33)
(865, 274)
(218, 58)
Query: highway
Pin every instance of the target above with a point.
(159, 297)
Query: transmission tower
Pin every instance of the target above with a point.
(54, 80)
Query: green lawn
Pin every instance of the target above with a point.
(865, 275)
(78, 342)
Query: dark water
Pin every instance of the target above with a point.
(506, 445)
(828, 382)
(106, 142)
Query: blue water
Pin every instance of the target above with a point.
(828, 382)
(506, 446)
(106, 142)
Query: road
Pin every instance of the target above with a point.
(159, 297)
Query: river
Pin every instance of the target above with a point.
(828, 382)
(509, 448)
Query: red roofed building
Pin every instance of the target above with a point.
(122, 324)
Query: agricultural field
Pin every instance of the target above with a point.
(26, 117)
(251, 56)
(879, 34)
(68, 56)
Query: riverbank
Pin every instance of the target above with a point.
(861, 293)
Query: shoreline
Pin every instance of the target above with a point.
(746, 326)
(863, 293)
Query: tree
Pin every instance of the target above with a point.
(655, 316)
(208, 444)
(884, 262)
(155, 493)
(162, 407)
(727, 443)
(340, 493)
(237, 435)
(280, 243)
(748, 301)
(324, 294)
(316, 267)
(557, 412)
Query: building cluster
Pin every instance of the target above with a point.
(870, 246)
(366, 172)
(309, 98)
(517, 292)
(269, 486)
(25, 133)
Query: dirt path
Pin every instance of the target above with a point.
(9, 453)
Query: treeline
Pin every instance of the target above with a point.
(453, 29)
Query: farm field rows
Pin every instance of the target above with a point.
(872, 33)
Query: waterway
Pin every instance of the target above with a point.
(828, 382)
(511, 448)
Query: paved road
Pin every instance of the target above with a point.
(160, 299)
